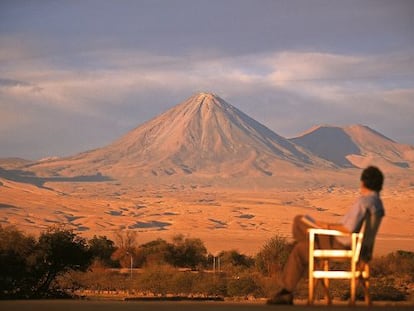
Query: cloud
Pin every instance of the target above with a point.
(303, 67)
(293, 67)
(341, 80)
(120, 71)
(13, 83)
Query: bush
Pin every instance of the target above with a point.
(211, 284)
(244, 285)
(184, 283)
(396, 263)
(380, 289)
(97, 278)
(273, 255)
(384, 289)
(156, 280)
(183, 252)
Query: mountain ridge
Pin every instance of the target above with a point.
(355, 146)
(207, 137)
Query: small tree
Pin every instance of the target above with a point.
(234, 259)
(126, 248)
(101, 249)
(16, 259)
(30, 267)
(188, 252)
(157, 252)
(58, 251)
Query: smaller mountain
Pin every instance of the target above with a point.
(355, 146)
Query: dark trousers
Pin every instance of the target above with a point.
(298, 260)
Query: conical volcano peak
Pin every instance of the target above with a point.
(207, 95)
(202, 106)
(208, 100)
(205, 135)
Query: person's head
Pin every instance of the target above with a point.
(372, 178)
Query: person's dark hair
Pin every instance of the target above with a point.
(372, 178)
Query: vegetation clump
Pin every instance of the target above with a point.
(60, 263)
(30, 267)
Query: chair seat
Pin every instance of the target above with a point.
(339, 274)
(332, 253)
(332, 274)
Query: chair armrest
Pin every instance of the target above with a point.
(313, 231)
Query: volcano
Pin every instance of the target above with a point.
(204, 135)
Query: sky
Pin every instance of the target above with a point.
(76, 75)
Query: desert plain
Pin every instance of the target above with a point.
(224, 218)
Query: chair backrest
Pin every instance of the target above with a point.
(370, 228)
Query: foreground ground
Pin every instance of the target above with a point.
(69, 305)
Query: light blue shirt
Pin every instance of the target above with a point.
(354, 217)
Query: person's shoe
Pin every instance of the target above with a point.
(283, 297)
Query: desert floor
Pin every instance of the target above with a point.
(224, 219)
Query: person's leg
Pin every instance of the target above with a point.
(300, 229)
(292, 273)
(295, 265)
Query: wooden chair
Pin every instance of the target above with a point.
(358, 256)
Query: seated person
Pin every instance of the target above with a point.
(371, 185)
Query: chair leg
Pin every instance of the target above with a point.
(326, 284)
(366, 284)
(326, 290)
(367, 297)
(353, 291)
(311, 296)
